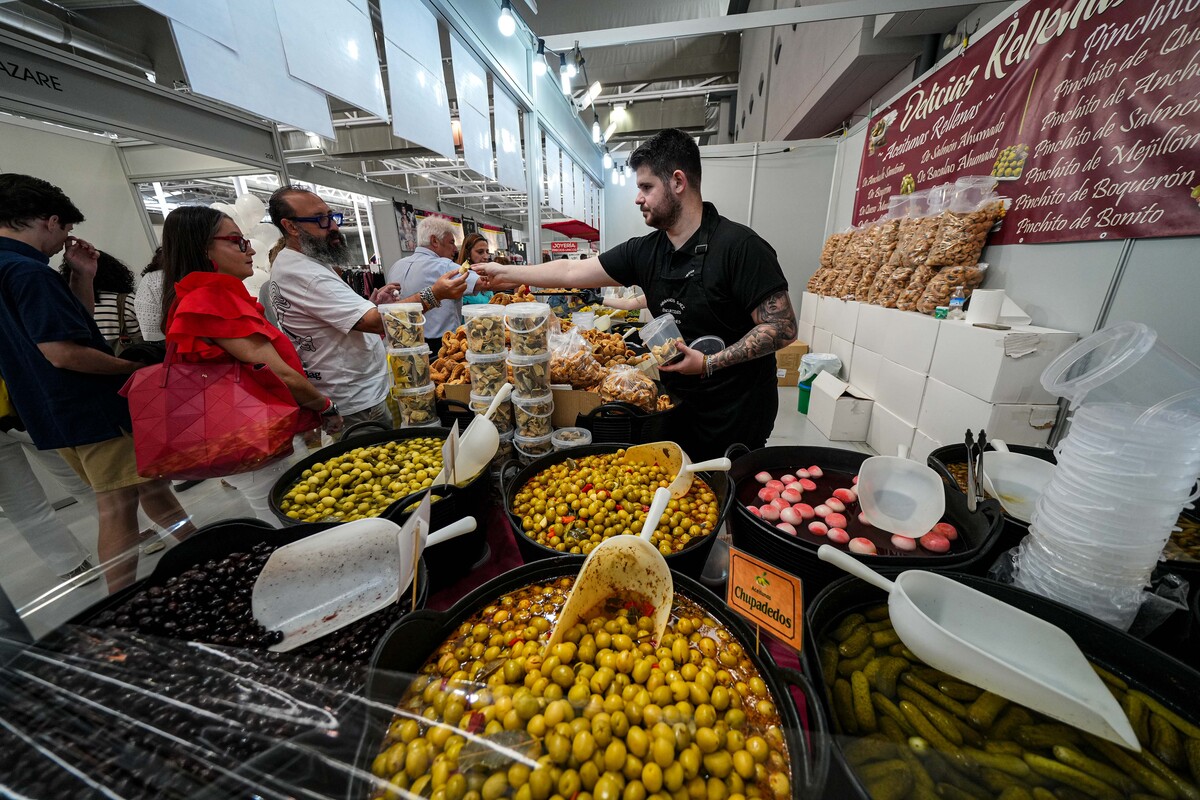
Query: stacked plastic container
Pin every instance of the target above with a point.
(1126, 469)
(408, 363)
(528, 326)
(486, 364)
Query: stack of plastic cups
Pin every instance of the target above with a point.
(487, 358)
(413, 392)
(1126, 469)
(528, 327)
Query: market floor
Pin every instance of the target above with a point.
(32, 587)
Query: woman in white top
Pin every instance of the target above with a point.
(113, 289)
(147, 303)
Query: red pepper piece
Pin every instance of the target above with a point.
(587, 488)
(477, 722)
(567, 520)
(515, 642)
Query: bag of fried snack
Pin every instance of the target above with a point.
(962, 233)
(887, 233)
(920, 228)
(572, 361)
(860, 255)
(940, 289)
(626, 384)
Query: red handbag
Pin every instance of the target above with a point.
(209, 419)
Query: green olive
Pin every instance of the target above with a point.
(583, 746)
(652, 776)
(758, 748)
(637, 742)
(719, 764)
(662, 750)
(743, 764)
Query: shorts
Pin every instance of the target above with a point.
(105, 466)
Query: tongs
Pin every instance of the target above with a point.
(980, 446)
(972, 496)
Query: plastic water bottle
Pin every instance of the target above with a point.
(957, 300)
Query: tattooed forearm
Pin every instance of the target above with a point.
(776, 328)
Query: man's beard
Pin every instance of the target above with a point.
(663, 221)
(325, 249)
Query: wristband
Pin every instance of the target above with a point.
(429, 298)
(330, 410)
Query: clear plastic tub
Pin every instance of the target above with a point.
(530, 374)
(484, 325)
(487, 371)
(1114, 426)
(662, 336)
(403, 323)
(532, 416)
(504, 451)
(584, 320)
(418, 405)
(709, 345)
(530, 448)
(1127, 364)
(1142, 484)
(409, 366)
(528, 328)
(566, 438)
(1096, 568)
(502, 419)
(1051, 514)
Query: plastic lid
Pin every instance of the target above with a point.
(485, 358)
(571, 437)
(483, 310)
(413, 390)
(524, 361)
(421, 349)
(709, 345)
(400, 308)
(484, 398)
(529, 402)
(532, 440)
(1097, 359)
(527, 310)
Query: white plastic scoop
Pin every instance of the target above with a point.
(996, 647)
(1015, 480)
(478, 444)
(313, 587)
(674, 461)
(899, 495)
(626, 567)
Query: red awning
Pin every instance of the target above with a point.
(574, 229)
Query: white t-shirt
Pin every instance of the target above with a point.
(318, 312)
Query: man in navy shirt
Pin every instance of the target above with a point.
(62, 378)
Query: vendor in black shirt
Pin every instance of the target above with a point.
(715, 277)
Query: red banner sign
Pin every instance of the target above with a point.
(564, 247)
(1086, 111)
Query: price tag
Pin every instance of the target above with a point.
(450, 453)
(768, 597)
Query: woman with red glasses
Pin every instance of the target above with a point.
(209, 316)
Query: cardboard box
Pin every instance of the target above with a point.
(458, 391)
(787, 363)
(947, 413)
(911, 338)
(822, 341)
(804, 332)
(864, 370)
(827, 309)
(872, 330)
(844, 350)
(846, 319)
(900, 390)
(888, 432)
(569, 403)
(838, 410)
(998, 366)
(808, 308)
(922, 446)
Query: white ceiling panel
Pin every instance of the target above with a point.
(510, 161)
(254, 75)
(419, 97)
(336, 54)
(471, 89)
(212, 19)
(553, 175)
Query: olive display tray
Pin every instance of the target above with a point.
(690, 560)
(448, 561)
(411, 641)
(216, 541)
(1160, 676)
(978, 532)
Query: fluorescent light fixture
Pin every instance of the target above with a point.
(618, 112)
(616, 176)
(622, 176)
(592, 93)
(569, 66)
(507, 22)
(566, 80)
(608, 162)
(596, 131)
(539, 60)
(611, 129)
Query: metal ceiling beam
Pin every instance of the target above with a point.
(686, 28)
(691, 91)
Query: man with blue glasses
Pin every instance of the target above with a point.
(336, 332)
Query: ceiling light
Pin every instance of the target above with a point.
(611, 129)
(507, 22)
(622, 176)
(596, 131)
(618, 112)
(608, 162)
(539, 60)
(616, 176)
(565, 79)
(569, 66)
(592, 93)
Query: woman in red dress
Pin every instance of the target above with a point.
(209, 315)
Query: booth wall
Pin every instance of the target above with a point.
(788, 208)
(91, 174)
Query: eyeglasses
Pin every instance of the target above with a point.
(241, 241)
(322, 220)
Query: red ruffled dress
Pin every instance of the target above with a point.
(211, 305)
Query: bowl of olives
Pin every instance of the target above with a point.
(481, 707)
(567, 502)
